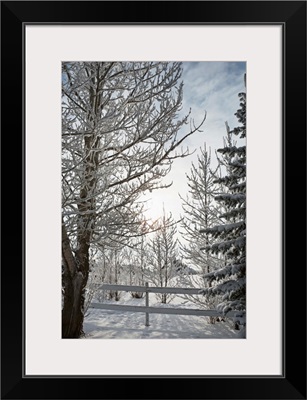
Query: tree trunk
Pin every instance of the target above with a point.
(75, 276)
(72, 312)
(236, 326)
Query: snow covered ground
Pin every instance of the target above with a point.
(106, 324)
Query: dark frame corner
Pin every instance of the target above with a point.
(292, 14)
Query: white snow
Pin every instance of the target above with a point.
(105, 324)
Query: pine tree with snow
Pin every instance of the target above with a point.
(228, 283)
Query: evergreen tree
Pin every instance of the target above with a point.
(228, 283)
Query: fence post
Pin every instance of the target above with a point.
(147, 305)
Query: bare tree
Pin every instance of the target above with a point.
(138, 259)
(200, 210)
(162, 255)
(120, 134)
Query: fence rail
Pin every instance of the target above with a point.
(157, 310)
(170, 290)
(161, 310)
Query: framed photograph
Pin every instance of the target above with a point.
(163, 149)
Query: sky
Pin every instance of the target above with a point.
(210, 87)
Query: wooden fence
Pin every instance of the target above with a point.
(157, 310)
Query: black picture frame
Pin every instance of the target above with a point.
(292, 16)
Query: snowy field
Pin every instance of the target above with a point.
(105, 324)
